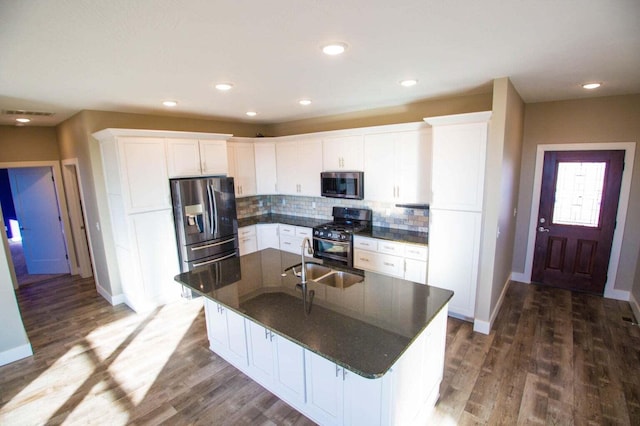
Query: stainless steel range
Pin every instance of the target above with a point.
(333, 241)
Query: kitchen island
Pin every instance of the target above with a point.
(369, 352)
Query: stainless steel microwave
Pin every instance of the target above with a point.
(342, 185)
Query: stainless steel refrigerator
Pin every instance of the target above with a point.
(204, 211)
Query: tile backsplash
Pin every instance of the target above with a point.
(384, 214)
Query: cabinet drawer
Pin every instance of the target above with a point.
(378, 262)
(290, 244)
(287, 230)
(417, 252)
(390, 247)
(304, 232)
(365, 243)
(246, 231)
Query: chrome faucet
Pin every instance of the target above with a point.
(305, 243)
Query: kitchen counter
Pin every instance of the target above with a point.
(365, 327)
(307, 222)
(394, 234)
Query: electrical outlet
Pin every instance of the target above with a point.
(284, 201)
(313, 204)
(260, 203)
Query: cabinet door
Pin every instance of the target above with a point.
(379, 167)
(309, 167)
(145, 176)
(260, 350)
(289, 368)
(213, 157)
(242, 168)
(415, 270)
(459, 153)
(325, 389)
(237, 337)
(266, 173)
(287, 167)
(290, 244)
(183, 157)
(343, 153)
(413, 167)
(267, 236)
(362, 400)
(454, 246)
(216, 326)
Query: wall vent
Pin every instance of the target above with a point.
(22, 112)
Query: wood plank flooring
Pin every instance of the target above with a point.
(554, 357)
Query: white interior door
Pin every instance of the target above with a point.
(36, 205)
(76, 216)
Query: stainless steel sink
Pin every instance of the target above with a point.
(340, 279)
(315, 271)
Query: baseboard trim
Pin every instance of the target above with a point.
(635, 307)
(15, 354)
(118, 299)
(484, 327)
(617, 294)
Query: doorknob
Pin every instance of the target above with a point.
(543, 229)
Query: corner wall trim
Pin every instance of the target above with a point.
(118, 299)
(521, 277)
(617, 294)
(16, 354)
(635, 307)
(484, 327)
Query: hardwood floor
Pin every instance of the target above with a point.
(553, 357)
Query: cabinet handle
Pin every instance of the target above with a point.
(266, 334)
(337, 370)
(389, 264)
(363, 259)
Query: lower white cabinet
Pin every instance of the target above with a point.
(226, 333)
(291, 237)
(323, 390)
(267, 234)
(396, 259)
(247, 239)
(276, 363)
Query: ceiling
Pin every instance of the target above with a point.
(64, 56)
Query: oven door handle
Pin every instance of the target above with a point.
(343, 243)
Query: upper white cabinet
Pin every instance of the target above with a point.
(397, 167)
(299, 166)
(241, 160)
(266, 171)
(459, 152)
(195, 157)
(343, 153)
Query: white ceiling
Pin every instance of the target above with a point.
(63, 56)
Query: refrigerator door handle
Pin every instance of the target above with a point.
(212, 209)
(195, 265)
(212, 245)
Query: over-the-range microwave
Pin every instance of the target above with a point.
(342, 185)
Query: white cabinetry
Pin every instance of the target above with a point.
(267, 235)
(397, 167)
(343, 153)
(193, 157)
(247, 239)
(299, 164)
(266, 171)
(291, 237)
(226, 333)
(276, 363)
(241, 160)
(139, 202)
(396, 259)
(455, 216)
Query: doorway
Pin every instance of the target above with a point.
(625, 189)
(579, 198)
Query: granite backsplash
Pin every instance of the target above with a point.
(385, 215)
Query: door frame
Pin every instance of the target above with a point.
(75, 199)
(62, 205)
(623, 203)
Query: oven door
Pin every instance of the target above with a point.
(339, 251)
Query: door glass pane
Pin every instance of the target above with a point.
(578, 193)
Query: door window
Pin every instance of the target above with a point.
(578, 193)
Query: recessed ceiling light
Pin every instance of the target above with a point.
(335, 48)
(23, 120)
(304, 102)
(224, 86)
(408, 83)
(169, 103)
(591, 86)
(252, 113)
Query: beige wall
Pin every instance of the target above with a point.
(500, 197)
(28, 144)
(606, 119)
(410, 113)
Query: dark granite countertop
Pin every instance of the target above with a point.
(394, 234)
(280, 218)
(364, 328)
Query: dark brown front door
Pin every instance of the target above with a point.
(577, 217)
